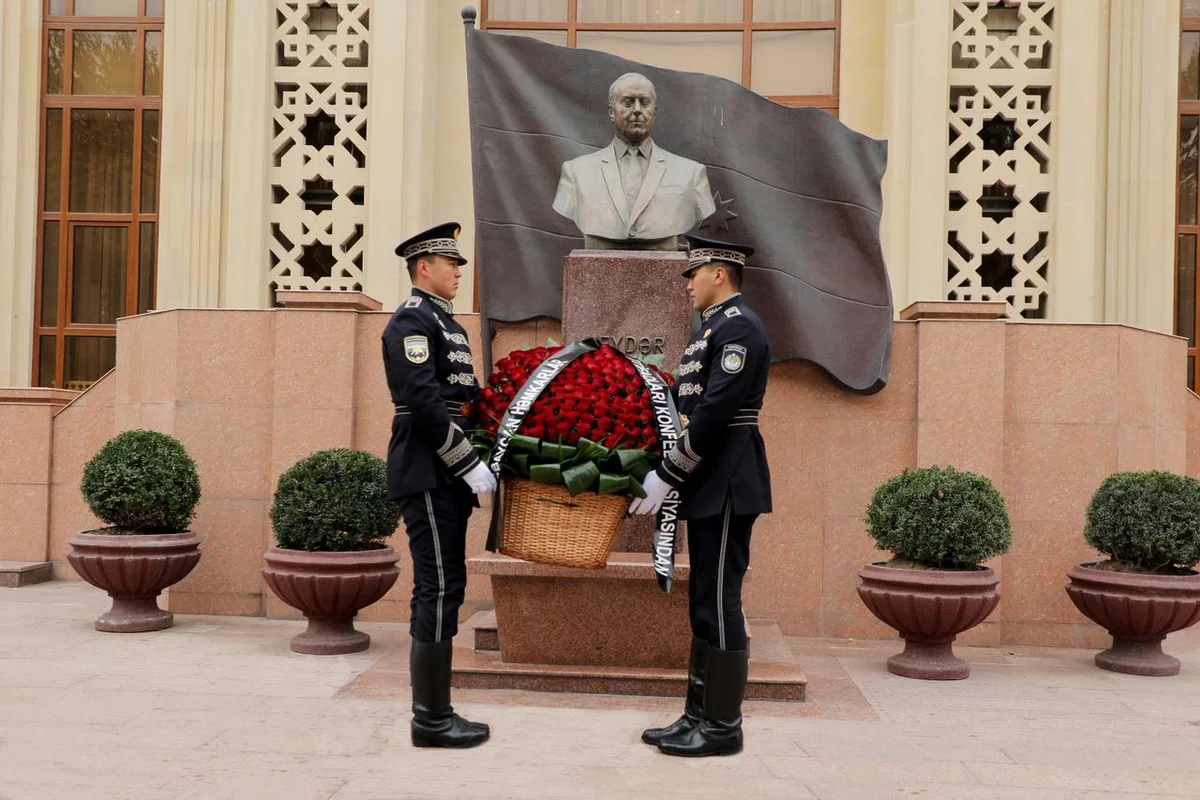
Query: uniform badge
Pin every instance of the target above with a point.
(412, 302)
(416, 349)
(734, 311)
(733, 358)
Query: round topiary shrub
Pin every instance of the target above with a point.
(1146, 521)
(334, 500)
(940, 518)
(142, 482)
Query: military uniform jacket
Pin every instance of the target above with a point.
(430, 375)
(719, 392)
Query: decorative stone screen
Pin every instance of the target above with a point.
(999, 215)
(319, 144)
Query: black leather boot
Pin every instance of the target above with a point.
(720, 730)
(693, 706)
(434, 722)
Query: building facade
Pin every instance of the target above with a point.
(206, 153)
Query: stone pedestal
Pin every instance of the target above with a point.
(637, 300)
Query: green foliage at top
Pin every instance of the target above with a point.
(1146, 521)
(940, 518)
(334, 500)
(142, 482)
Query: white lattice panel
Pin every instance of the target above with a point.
(1000, 180)
(319, 146)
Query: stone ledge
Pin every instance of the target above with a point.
(774, 673)
(621, 566)
(323, 300)
(13, 395)
(15, 574)
(954, 309)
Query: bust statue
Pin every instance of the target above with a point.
(633, 194)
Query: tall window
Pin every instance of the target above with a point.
(1187, 225)
(784, 49)
(98, 199)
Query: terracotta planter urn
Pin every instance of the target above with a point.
(330, 589)
(929, 608)
(1138, 610)
(134, 569)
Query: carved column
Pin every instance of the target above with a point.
(193, 149)
(1143, 92)
(20, 60)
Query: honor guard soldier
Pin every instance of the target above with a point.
(433, 472)
(719, 466)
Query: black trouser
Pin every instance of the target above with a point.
(719, 550)
(436, 521)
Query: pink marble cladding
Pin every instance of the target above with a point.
(1045, 410)
(596, 303)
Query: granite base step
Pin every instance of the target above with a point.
(774, 673)
(15, 574)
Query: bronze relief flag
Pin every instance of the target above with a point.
(795, 184)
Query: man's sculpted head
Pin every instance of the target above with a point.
(632, 103)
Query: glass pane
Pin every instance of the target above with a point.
(87, 358)
(58, 8)
(106, 8)
(50, 268)
(1191, 8)
(794, 10)
(154, 8)
(1189, 65)
(55, 55)
(98, 274)
(105, 62)
(147, 258)
(101, 160)
(792, 62)
(52, 179)
(1185, 289)
(661, 12)
(149, 202)
(553, 37)
(153, 77)
(46, 367)
(1189, 166)
(717, 53)
(527, 10)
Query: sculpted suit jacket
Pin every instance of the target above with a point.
(674, 197)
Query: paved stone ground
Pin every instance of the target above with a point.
(217, 707)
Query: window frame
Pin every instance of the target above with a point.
(747, 27)
(67, 102)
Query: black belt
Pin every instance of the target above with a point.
(745, 417)
(453, 407)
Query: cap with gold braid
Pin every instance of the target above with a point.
(440, 240)
(707, 251)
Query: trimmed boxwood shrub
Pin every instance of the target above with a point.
(142, 482)
(940, 518)
(334, 500)
(1146, 521)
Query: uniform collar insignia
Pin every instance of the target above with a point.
(440, 302)
(715, 307)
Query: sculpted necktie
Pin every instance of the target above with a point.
(634, 174)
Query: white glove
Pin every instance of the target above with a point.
(480, 479)
(656, 492)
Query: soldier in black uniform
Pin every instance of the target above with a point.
(433, 472)
(719, 466)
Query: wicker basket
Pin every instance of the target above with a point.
(544, 524)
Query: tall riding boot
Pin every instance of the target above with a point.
(720, 730)
(434, 722)
(693, 706)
